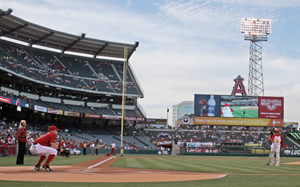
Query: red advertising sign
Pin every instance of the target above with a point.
(164, 143)
(4, 100)
(270, 107)
(55, 111)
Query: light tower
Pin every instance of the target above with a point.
(255, 30)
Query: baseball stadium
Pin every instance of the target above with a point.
(85, 90)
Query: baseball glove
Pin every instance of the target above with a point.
(64, 153)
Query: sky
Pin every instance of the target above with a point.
(186, 47)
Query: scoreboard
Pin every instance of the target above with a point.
(238, 110)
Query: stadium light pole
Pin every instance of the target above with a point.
(256, 31)
(123, 95)
(244, 119)
(167, 118)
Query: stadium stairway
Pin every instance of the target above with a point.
(294, 137)
(140, 141)
(144, 135)
(109, 130)
(127, 142)
(76, 135)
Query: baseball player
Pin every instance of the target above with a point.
(277, 141)
(113, 146)
(227, 111)
(45, 146)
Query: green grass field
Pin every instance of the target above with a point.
(249, 113)
(242, 171)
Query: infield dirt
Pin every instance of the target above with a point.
(99, 170)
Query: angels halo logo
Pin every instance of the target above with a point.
(186, 120)
(271, 104)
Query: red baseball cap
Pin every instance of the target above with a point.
(52, 128)
(226, 104)
(277, 130)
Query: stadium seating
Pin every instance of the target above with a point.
(76, 72)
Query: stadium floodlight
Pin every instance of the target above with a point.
(255, 30)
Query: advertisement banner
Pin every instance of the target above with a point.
(203, 150)
(237, 121)
(195, 144)
(207, 105)
(92, 115)
(17, 102)
(134, 118)
(111, 117)
(199, 144)
(163, 153)
(5, 100)
(271, 107)
(153, 121)
(40, 108)
(55, 111)
(125, 118)
(291, 124)
(292, 152)
(74, 114)
(163, 142)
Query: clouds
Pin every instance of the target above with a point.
(186, 47)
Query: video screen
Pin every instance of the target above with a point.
(239, 106)
(207, 105)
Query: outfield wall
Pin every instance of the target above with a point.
(13, 151)
(236, 151)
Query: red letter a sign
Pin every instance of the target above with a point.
(239, 86)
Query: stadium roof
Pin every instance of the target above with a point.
(19, 29)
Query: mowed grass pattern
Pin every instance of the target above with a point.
(242, 171)
(244, 165)
(249, 113)
(57, 161)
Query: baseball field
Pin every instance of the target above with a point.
(152, 170)
(250, 112)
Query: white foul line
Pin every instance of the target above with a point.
(100, 163)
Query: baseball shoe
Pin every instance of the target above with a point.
(38, 168)
(277, 165)
(268, 163)
(47, 168)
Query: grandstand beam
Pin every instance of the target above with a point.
(42, 38)
(74, 42)
(6, 13)
(101, 49)
(136, 45)
(14, 29)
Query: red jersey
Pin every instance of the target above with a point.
(46, 139)
(281, 142)
(21, 134)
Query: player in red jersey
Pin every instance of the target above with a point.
(45, 146)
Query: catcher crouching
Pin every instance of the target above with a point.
(45, 146)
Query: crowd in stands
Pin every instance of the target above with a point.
(217, 136)
(66, 138)
(62, 70)
(61, 106)
(76, 137)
